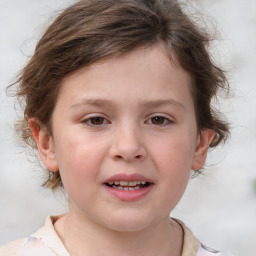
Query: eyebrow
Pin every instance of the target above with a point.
(162, 102)
(143, 104)
(92, 102)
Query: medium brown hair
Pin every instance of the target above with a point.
(92, 30)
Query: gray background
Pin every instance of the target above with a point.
(219, 206)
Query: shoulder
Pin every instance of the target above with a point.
(11, 248)
(192, 246)
(46, 232)
(45, 242)
(206, 251)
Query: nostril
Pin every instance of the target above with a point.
(128, 158)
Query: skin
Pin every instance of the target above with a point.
(145, 125)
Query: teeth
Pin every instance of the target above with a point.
(132, 183)
(127, 183)
(124, 183)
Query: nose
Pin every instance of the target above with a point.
(128, 145)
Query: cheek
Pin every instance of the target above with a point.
(173, 158)
(78, 169)
(174, 153)
(78, 159)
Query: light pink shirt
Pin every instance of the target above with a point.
(45, 242)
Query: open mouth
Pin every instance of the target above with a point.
(128, 185)
(128, 188)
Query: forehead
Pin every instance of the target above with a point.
(142, 73)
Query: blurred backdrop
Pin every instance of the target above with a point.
(219, 206)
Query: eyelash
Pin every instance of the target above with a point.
(88, 121)
(165, 120)
(103, 121)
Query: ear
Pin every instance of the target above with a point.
(45, 144)
(203, 142)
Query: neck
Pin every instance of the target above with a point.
(84, 237)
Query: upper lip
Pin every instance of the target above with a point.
(127, 177)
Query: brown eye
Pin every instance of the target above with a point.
(96, 120)
(158, 120)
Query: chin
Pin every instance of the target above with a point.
(129, 223)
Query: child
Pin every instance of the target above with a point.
(118, 104)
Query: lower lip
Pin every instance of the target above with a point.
(129, 195)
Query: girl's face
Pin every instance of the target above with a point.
(125, 139)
